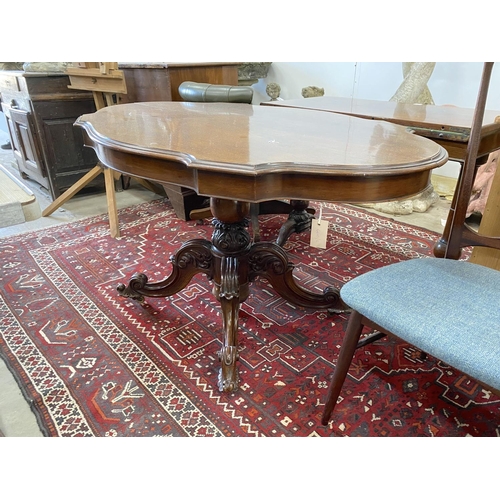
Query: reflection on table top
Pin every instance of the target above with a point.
(448, 125)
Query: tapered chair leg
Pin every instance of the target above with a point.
(351, 339)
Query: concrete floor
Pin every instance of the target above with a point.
(16, 418)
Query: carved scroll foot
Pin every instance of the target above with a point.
(193, 257)
(228, 380)
(137, 282)
(270, 261)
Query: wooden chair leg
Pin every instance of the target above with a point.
(114, 226)
(109, 179)
(370, 339)
(200, 213)
(254, 217)
(349, 345)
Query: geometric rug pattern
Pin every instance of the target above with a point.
(92, 363)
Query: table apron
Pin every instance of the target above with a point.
(355, 188)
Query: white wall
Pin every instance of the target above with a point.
(454, 83)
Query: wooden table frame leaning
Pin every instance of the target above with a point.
(238, 154)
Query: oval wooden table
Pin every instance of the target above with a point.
(239, 154)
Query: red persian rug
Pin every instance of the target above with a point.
(92, 363)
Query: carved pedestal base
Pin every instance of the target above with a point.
(232, 262)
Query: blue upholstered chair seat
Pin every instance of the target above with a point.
(449, 309)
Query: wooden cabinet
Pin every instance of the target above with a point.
(40, 111)
(160, 81)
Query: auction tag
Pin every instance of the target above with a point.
(319, 232)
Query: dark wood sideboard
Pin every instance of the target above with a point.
(40, 111)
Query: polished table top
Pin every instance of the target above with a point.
(258, 153)
(447, 125)
(447, 118)
(238, 154)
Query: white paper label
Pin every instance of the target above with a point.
(319, 232)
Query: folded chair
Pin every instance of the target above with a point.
(446, 307)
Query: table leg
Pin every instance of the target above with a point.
(231, 243)
(299, 220)
(228, 294)
(270, 261)
(232, 261)
(193, 257)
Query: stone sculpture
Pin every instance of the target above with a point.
(11, 66)
(45, 67)
(312, 91)
(250, 72)
(273, 90)
(413, 90)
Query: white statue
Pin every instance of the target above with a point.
(413, 90)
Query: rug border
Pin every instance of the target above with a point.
(24, 389)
